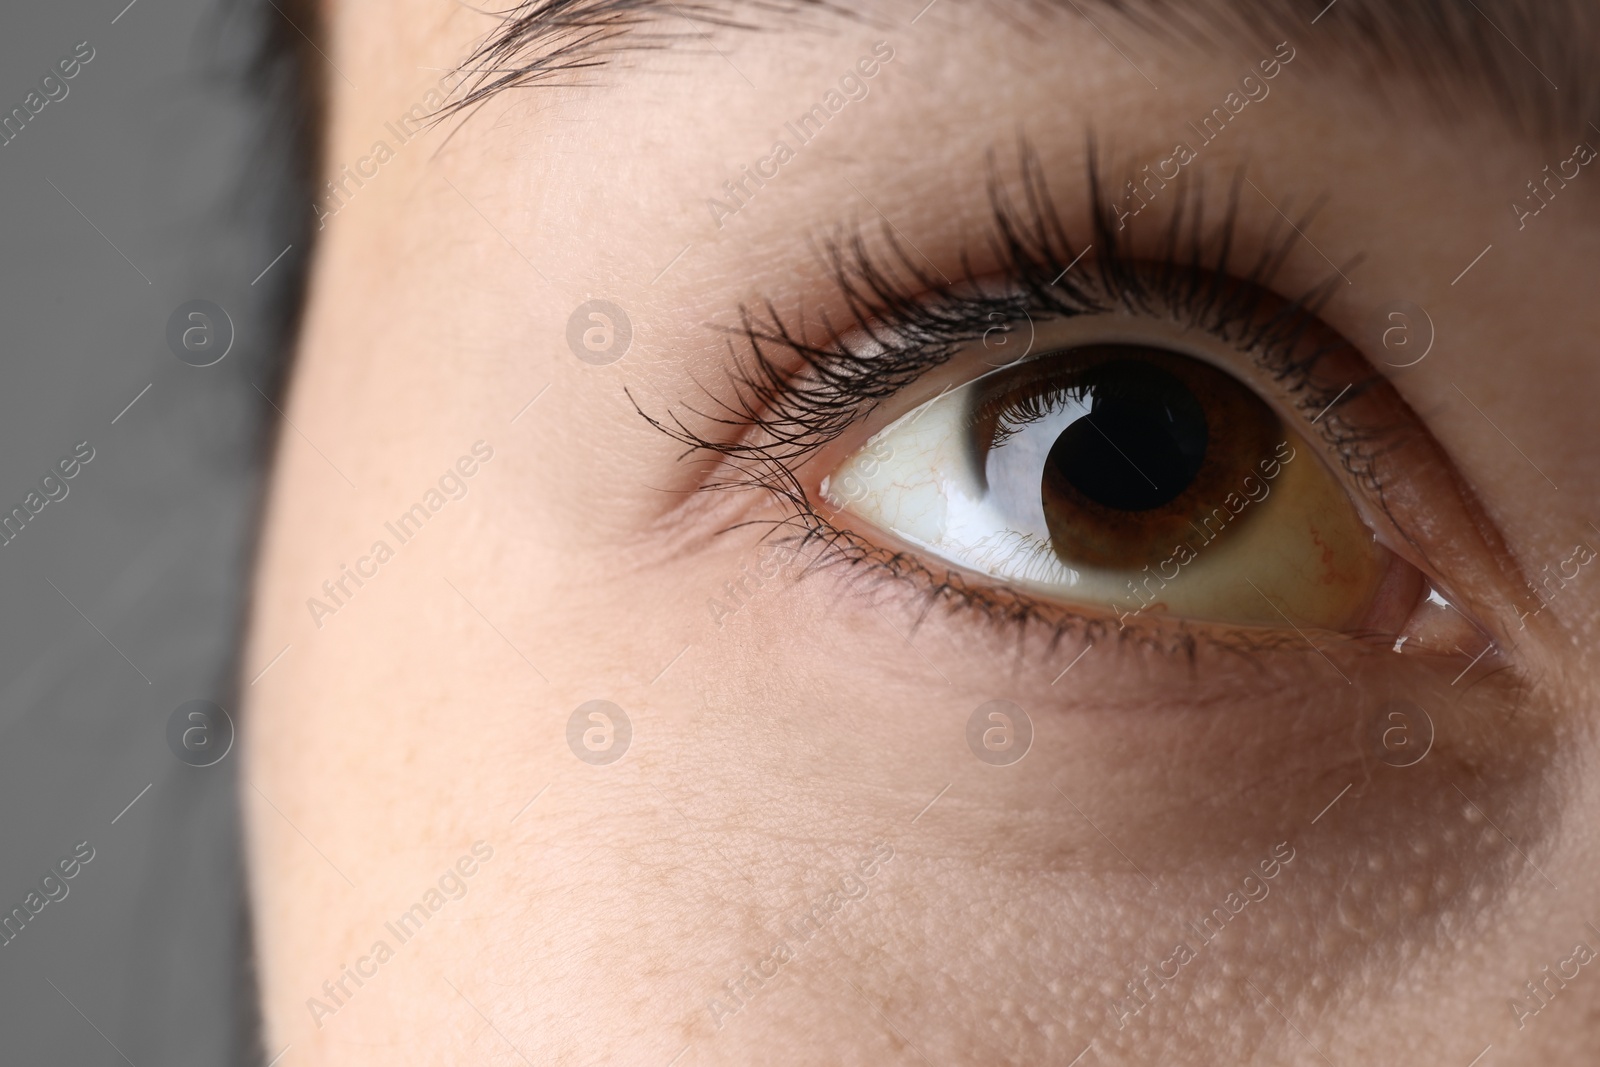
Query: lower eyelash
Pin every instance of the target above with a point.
(903, 322)
(870, 568)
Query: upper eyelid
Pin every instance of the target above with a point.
(802, 383)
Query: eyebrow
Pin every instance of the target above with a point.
(1530, 61)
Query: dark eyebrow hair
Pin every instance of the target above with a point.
(1531, 61)
(543, 40)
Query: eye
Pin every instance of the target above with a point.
(1182, 438)
(1130, 476)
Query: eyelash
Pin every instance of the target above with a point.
(904, 322)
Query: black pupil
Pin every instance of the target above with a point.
(1142, 443)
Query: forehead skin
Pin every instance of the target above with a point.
(772, 753)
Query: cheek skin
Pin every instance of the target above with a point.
(1206, 782)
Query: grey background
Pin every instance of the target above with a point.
(160, 144)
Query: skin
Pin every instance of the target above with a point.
(771, 752)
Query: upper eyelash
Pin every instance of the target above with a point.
(903, 322)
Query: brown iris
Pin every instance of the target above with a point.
(1152, 444)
